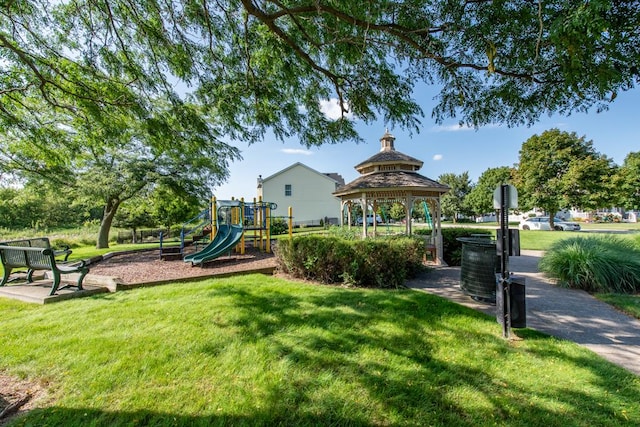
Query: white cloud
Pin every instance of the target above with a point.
(296, 151)
(458, 128)
(437, 157)
(451, 128)
(331, 109)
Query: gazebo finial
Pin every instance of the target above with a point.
(386, 141)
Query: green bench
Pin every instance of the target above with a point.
(35, 258)
(40, 242)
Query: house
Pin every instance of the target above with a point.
(307, 191)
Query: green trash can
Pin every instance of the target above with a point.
(478, 267)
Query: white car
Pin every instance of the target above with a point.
(542, 223)
(370, 220)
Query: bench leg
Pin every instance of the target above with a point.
(83, 273)
(56, 282)
(5, 276)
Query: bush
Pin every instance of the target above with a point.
(59, 243)
(382, 263)
(594, 264)
(451, 247)
(278, 226)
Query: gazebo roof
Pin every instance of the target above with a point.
(392, 181)
(390, 173)
(390, 157)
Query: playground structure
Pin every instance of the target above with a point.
(225, 226)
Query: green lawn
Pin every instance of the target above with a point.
(629, 304)
(261, 351)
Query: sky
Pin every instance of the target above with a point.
(445, 148)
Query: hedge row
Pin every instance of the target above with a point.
(381, 263)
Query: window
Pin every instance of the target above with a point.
(287, 190)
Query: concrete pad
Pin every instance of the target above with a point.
(38, 292)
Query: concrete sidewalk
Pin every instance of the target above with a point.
(564, 313)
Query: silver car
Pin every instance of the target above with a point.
(542, 223)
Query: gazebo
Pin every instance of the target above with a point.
(391, 177)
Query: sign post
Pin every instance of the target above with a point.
(504, 198)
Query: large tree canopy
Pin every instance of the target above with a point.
(480, 198)
(559, 170)
(266, 64)
(453, 202)
(626, 182)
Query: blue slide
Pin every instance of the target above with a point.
(225, 239)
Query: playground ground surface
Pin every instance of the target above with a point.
(147, 268)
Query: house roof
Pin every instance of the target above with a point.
(337, 178)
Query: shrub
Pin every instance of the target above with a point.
(451, 247)
(594, 264)
(278, 226)
(382, 263)
(345, 233)
(59, 242)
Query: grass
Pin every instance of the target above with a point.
(629, 304)
(258, 351)
(618, 226)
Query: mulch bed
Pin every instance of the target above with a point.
(147, 267)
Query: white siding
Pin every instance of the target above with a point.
(310, 198)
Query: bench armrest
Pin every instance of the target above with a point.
(65, 250)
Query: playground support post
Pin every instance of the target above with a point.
(214, 218)
(255, 223)
(290, 213)
(261, 219)
(267, 226)
(241, 218)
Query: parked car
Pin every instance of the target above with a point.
(370, 220)
(542, 223)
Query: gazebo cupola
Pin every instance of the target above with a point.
(388, 159)
(390, 176)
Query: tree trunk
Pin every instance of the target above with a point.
(110, 209)
(551, 224)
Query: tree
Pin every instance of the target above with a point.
(134, 215)
(266, 65)
(480, 198)
(170, 207)
(229, 70)
(452, 202)
(626, 182)
(397, 212)
(559, 170)
(112, 162)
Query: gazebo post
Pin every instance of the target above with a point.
(363, 204)
(438, 228)
(409, 206)
(375, 222)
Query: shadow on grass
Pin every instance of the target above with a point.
(408, 379)
(385, 358)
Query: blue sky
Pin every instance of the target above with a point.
(443, 149)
